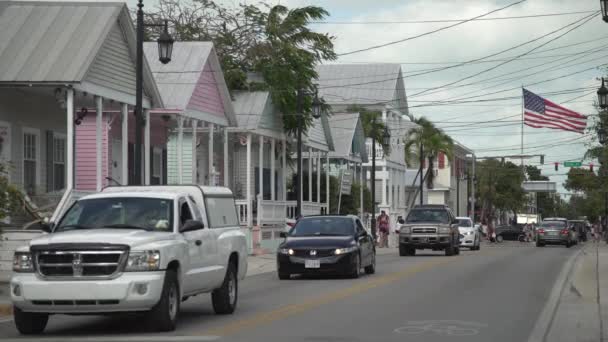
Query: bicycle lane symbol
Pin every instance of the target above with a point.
(441, 327)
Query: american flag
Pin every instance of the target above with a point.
(542, 113)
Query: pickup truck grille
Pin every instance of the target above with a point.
(76, 264)
(424, 230)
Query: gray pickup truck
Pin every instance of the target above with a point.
(429, 227)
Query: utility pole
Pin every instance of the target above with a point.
(421, 174)
(373, 178)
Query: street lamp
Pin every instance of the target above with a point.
(601, 135)
(602, 95)
(604, 5)
(165, 48)
(317, 107)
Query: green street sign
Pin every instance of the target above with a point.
(573, 164)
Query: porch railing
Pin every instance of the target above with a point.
(242, 212)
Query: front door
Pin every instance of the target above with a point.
(31, 156)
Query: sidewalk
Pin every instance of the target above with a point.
(577, 309)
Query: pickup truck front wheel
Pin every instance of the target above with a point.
(163, 317)
(29, 323)
(224, 299)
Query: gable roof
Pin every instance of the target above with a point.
(57, 42)
(347, 132)
(178, 79)
(372, 85)
(249, 107)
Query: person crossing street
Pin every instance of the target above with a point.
(383, 228)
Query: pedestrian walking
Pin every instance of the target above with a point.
(383, 228)
(595, 233)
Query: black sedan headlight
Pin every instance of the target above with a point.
(340, 251)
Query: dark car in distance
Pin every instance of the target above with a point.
(326, 244)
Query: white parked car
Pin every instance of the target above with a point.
(469, 234)
(127, 249)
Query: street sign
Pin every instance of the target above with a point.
(572, 164)
(346, 183)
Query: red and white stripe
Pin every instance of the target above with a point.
(556, 117)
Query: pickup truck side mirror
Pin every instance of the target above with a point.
(401, 221)
(191, 225)
(283, 234)
(46, 227)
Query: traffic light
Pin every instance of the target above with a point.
(556, 166)
(542, 159)
(591, 167)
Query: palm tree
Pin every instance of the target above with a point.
(433, 140)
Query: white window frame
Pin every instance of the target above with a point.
(9, 147)
(157, 154)
(36, 132)
(60, 136)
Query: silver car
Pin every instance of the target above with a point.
(555, 232)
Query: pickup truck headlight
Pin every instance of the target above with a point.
(23, 262)
(341, 251)
(143, 261)
(444, 230)
(288, 251)
(405, 230)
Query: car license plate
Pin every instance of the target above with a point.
(423, 239)
(552, 233)
(312, 264)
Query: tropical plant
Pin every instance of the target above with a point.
(433, 142)
(9, 194)
(373, 126)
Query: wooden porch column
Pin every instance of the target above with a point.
(248, 182)
(327, 182)
(384, 184)
(194, 160)
(319, 177)
(272, 167)
(211, 175)
(361, 189)
(146, 167)
(261, 170)
(124, 145)
(70, 140)
(310, 174)
(389, 185)
(284, 168)
(98, 143)
(180, 150)
(226, 160)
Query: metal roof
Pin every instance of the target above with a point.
(178, 79)
(52, 41)
(249, 107)
(346, 131)
(362, 84)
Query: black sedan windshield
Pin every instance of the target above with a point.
(317, 226)
(119, 212)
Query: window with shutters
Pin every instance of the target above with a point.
(59, 161)
(31, 139)
(157, 166)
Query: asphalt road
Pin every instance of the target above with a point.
(495, 294)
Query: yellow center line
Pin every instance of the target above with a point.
(313, 302)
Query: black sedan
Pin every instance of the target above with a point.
(326, 244)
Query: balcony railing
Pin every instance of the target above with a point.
(379, 150)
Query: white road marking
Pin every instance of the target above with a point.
(143, 338)
(441, 327)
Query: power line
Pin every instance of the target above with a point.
(430, 32)
(578, 23)
(446, 20)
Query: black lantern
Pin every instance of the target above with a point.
(601, 135)
(604, 5)
(386, 137)
(317, 106)
(165, 45)
(602, 95)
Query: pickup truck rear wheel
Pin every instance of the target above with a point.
(29, 323)
(163, 317)
(224, 299)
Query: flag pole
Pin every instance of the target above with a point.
(522, 130)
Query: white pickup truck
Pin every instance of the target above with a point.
(128, 249)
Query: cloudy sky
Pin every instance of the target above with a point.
(563, 66)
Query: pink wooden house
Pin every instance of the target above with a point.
(196, 103)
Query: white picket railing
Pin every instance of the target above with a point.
(277, 212)
(242, 212)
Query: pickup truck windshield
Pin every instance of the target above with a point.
(427, 215)
(153, 214)
(342, 226)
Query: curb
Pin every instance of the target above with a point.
(545, 319)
